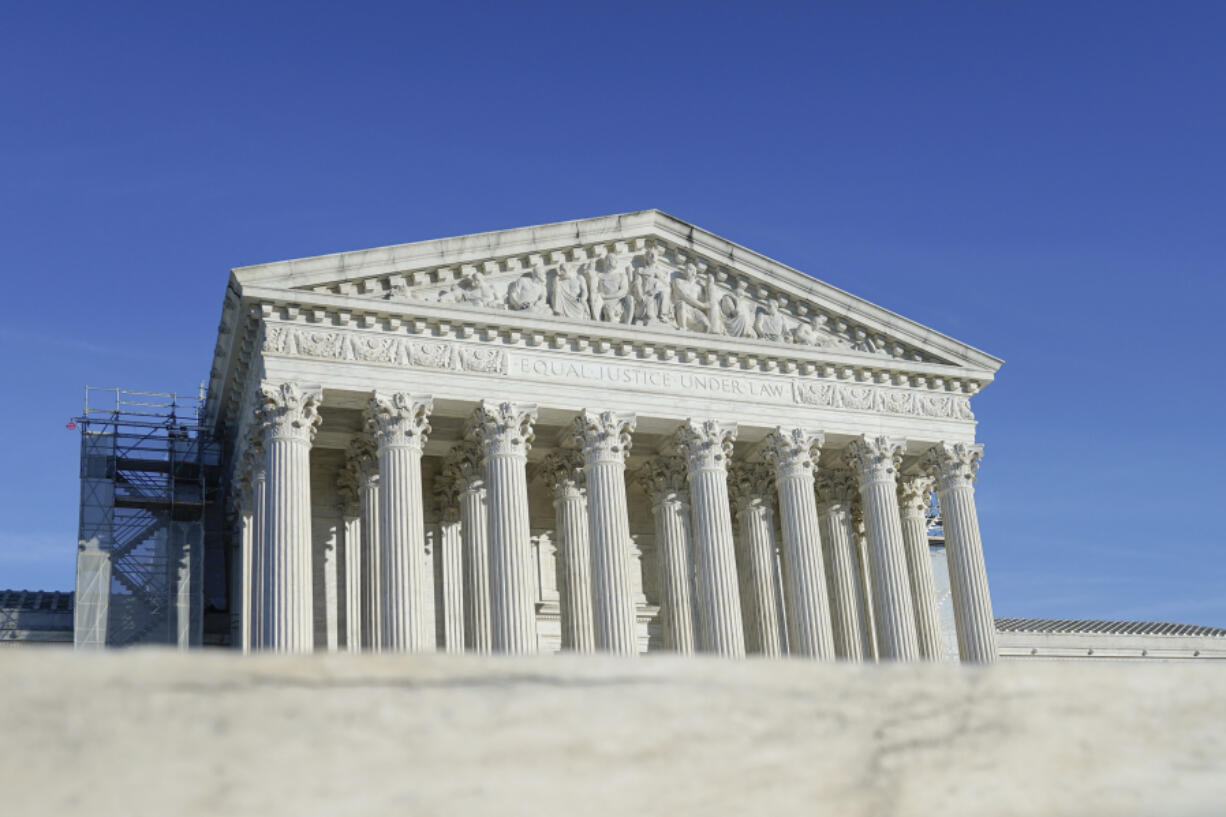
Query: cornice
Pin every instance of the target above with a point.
(274, 292)
(372, 272)
(613, 339)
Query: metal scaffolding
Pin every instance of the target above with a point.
(148, 496)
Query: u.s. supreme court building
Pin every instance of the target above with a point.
(619, 434)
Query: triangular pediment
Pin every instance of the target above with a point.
(644, 269)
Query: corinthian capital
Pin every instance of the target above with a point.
(663, 480)
(750, 484)
(446, 498)
(913, 494)
(875, 459)
(400, 419)
(363, 460)
(792, 452)
(465, 467)
(287, 411)
(836, 486)
(251, 463)
(953, 464)
(562, 471)
(347, 495)
(705, 444)
(604, 435)
(241, 494)
(504, 428)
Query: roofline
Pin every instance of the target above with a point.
(311, 270)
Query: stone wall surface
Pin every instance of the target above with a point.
(153, 732)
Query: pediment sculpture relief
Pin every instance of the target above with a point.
(653, 289)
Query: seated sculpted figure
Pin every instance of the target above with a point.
(771, 324)
(736, 311)
(477, 291)
(814, 332)
(527, 293)
(651, 292)
(612, 292)
(861, 342)
(569, 297)
(689, 307)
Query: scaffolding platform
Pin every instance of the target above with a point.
(149, 475)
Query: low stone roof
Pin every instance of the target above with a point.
(1066, 625)
(49, 600)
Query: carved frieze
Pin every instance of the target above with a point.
(827, 394)
(362, 347)
(372, 347)
(644, 283)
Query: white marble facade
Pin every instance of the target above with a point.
(621, 434)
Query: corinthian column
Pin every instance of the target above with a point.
(448, 567)
(793, 452)
(505, 433)
(400, 424)
(876, 461)
(955, 467)
(749, 487)
(866, 583)
(836, 490)
(605, 440)
(246, 561)
(663, 480)
(912, 502)
(707, 446)
(365, 464)
(257, 486)
(289, 416)
(563, 473)
(465, 467)
(350, 507)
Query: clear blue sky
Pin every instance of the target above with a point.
(1045, 181)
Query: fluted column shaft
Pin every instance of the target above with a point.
(860, 536)
(246, 543)
(836, 490)
(372, 597)
(759, 586)
(843, 578)
(663, 480)
(474, 526)
(467, 471)
(352, 522)
(449, 582)
(955, 467)
(564, 474)
(912, 502)
(793, 453)
(246, 565)
(364, 462)
(876, 462)
(400, 424)
(290, 416)
(505, 433)
(259, 552)
(605, 441)
(707, 446)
